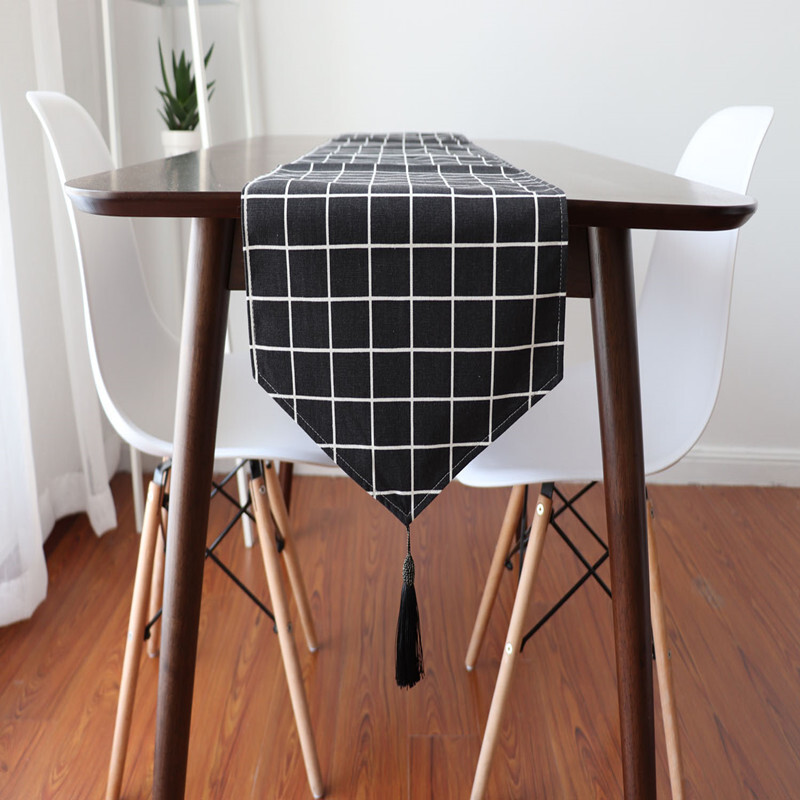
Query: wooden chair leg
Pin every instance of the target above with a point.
(157, 586)
(277, 503)
(137, 481)
(666, 689)
(133, 645)
(157, 593)
(533, 555)
(243, 485)
(501, 550)
(291, 663)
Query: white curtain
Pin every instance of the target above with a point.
(85, 488)
(57, 451)
(23, 578)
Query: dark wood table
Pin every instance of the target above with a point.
(606, 199)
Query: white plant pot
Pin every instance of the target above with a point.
(177, 142)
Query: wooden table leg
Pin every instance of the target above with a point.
(617, 365)
(202, 351)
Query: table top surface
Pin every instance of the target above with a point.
(601, 191)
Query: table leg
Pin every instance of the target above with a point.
(202, 352)
(617, 365)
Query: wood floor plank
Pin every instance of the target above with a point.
(441, 766)
(729, 560)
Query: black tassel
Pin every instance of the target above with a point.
(408, 665)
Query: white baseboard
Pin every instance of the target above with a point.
(705, 464)
(735, 466)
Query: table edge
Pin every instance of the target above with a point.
(582, 213)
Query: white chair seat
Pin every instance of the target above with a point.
(251, 422)
(557, 440)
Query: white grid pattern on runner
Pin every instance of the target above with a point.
(411, 439)
(387, 176)
(371, 300)
(452, 310)
(330, 320)
(494, 296)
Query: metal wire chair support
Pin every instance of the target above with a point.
(220, 488)
(572, 546)
(567, 504)
(585, 577)
(160, 476)
(522, 534)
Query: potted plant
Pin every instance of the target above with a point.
(179, 104)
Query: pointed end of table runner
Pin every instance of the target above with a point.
(409, 667)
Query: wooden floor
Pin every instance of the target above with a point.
(730, 560)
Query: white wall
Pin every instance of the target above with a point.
(624, 78)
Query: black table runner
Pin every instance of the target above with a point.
(406, 298)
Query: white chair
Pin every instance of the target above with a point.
(135, 365)
(683, 320)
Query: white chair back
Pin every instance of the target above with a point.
(685, 302)
(127, 339)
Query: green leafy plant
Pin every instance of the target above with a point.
(179, 111)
